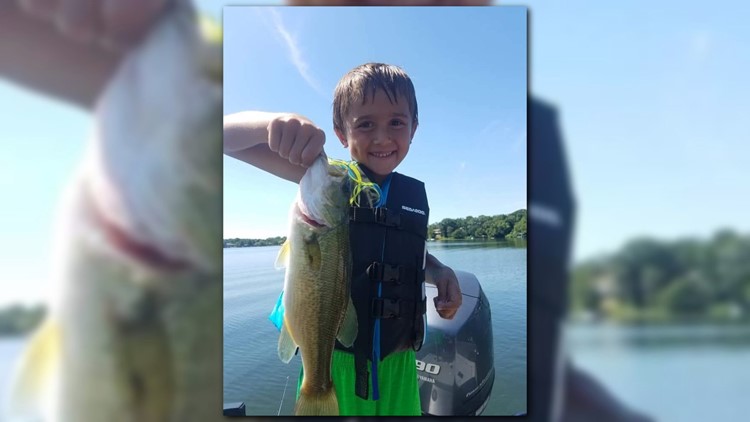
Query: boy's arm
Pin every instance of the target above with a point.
(282, 144)
(449, 295)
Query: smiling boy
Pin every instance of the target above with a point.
(375, 116)
(376, 123)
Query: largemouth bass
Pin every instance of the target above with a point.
(318, 307)
(134, 329)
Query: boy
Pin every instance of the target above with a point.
(375, 117)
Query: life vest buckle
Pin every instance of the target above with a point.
(378, 271)
(386, 308)
(390, 219)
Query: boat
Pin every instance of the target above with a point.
(455, 365)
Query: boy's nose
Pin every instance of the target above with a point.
(381, 136)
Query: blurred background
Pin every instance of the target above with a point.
(651, 100)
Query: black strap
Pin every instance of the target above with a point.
(362, 346)
(362, 377)
(375, 215)
(384, 307)
(386, 217)
(378, 271)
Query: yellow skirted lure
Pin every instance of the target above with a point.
(360, 182)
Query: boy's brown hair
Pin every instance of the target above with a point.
(361, 83)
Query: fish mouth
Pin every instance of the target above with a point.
(143, 253)
(309, 220)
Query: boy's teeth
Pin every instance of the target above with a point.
(381, 154)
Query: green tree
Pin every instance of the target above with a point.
(686, 296)
(519, 229)
(19, 320)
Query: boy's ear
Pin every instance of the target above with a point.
(413, 130)
(341, 137)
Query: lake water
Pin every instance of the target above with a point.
(10, 350)
(674, 373)
(682, 373)
(254, 374)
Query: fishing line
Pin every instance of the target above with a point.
(282, 396)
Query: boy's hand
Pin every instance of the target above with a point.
(115, 23)
(449, 296)
(296, 139)
(69, 49)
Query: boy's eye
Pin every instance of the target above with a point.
(397, 122)
(365, 125)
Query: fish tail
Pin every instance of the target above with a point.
(318, 403)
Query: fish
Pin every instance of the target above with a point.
(134, 323)
(317, 304)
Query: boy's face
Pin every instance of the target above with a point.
(378, 133)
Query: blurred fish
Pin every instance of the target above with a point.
(318, 308)
(134, 331)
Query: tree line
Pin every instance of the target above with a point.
(243, 243)
(651, 280)
(18, 320)
(510, 226)
(647, 280)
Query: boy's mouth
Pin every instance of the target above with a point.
(382, 154)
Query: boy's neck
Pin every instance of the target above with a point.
(372, 176)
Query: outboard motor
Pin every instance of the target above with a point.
(455, 365)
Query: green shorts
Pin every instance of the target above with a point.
(397, 381)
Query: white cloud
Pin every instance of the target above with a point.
(492, 129)
(295, 53)
(700, 45)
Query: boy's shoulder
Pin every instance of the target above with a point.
(409, 192)
(397, 175)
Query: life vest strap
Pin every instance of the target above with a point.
(379, 215)
(398, 274)
(388, 218)
(361, 381)
(384, 307)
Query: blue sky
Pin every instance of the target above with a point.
(653, 101)
(40, 144)
(470, 147)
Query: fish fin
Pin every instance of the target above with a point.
(210, 29)
(282, 259)
(277, 315)
(348, 330)
(287, 346)
(210, 51)
(35, 372)
(324, 404)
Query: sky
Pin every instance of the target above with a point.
(653, 101)
(470, 146)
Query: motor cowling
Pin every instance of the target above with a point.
(455, 365)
